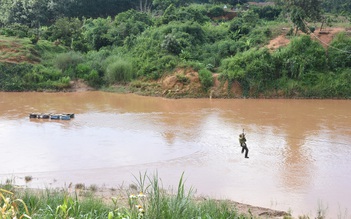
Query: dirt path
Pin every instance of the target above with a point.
(324, 37)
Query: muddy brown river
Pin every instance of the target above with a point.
(300, 150)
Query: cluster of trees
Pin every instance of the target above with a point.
(44, 12)
(34, 13)
(121, 40)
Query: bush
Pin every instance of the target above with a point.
(11, 76)
(119, 70)
(93, 79)
(339, 52)
(68, 60)
(192, 13)
(171, 45)
(216, 11)
(82, 70)
(206, 78)
(167, 62)
(334, 84)
(267, 12)
(254, 69)
(301, 56)
(16, 29)
(48, 73)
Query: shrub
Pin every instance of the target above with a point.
(171, 45)
(68, 60)
(48, 73)
(334, 84)
(82, 69)
(216, 11)
(34, 39)
(301, 56)
(254, 69)
(339, 52)
(33, 77)
(119, 70)
(206, 78)
(93, 79)
(183, 79)
(16, 29)
(167, 62)
(267, 12)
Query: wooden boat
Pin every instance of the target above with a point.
(64, 116)
(71, 115)
(44, 116)
(33, 115)
(55, 116)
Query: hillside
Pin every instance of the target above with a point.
(14, 50)
(170, 85)
(59, 68)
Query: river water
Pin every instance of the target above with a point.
(300, 150)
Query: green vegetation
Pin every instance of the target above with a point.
(145, 199)
(144, 41)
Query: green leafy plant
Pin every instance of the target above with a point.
(9, 206)
(206, 78)
(119, 70)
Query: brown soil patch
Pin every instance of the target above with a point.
(182, 82)
(324, 36)
(186, 83)
(79, 86)
(277, 42)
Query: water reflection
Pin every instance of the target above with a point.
(300, 150)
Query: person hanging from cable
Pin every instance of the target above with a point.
(242, 140)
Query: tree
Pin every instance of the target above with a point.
(303, 10)
(20, 13)
(337, 6)
(41, 13)
(127, 24)
(145, 5)
(96, 32)
(66, 30)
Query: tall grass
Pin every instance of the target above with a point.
(119, 70)
(146, 199)
(158, 202)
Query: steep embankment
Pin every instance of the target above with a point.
(172, 85)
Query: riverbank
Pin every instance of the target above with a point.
(122, 197)
(107, 194)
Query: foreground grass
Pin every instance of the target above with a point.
(152, 201)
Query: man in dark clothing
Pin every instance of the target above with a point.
(242, 140)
